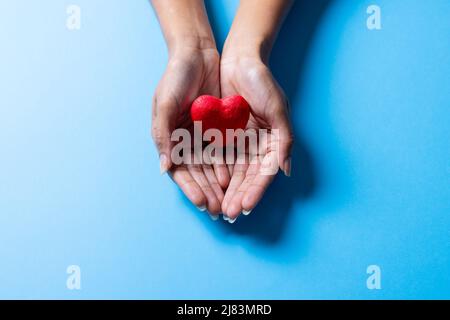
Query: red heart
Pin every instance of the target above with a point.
(228, 113)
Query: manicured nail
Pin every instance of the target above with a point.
(225, 218)
(246, 212)
(163, 163)
(232, 220)
(287, 167)
(202, 208)
(213, 217)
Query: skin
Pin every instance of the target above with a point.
(195, 68)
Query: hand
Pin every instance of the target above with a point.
(248, 76)
(244, 71)
(191, 71)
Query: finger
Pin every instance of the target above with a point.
(212, 203)
(262, 179)
(235, 205)
(230, 169)
(284, 139)
(222, 174)
(181, 176)
(164, 114)
(213, 182)
(236, 180)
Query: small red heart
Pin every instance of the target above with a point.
(228, 113)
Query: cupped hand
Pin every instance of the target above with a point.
(190, 72)
(251, 78)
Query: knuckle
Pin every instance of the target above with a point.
(158, 136)
(157, 106)
(157, 133)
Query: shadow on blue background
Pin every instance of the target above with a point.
(270, 217)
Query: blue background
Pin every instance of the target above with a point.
(80, 182)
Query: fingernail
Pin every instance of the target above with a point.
(163, 163)
(225, 218)
(202, 208)
(232, 220)
(213, 217)
(287, 166)
(246, 212)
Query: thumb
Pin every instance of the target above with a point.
(164, 116)
(285, 140)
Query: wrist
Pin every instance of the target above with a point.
(247, 47)
(185, 24)
(188, 44)
(255, 28)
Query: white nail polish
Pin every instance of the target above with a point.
(225, 218)
(232, 220)
(287, 167)
(246, 212)
(202, 208)
(163, 167)
(213, 217)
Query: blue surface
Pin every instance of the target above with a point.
(80, 182)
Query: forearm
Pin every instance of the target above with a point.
(255, 27)
(184, 24)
